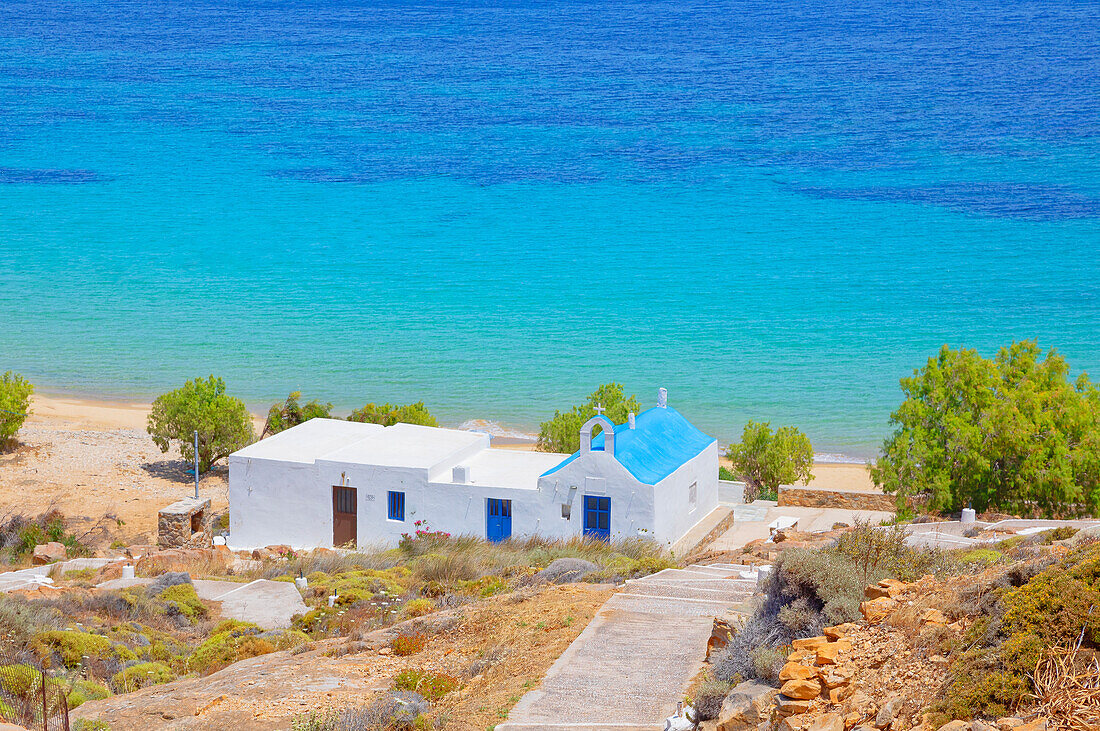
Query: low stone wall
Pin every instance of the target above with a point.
(806, 497)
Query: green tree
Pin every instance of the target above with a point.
(1012, 434)
(766, 459)
(562, 432)
(223, 422)
(291, 413)
(387, 414)
(15, 403)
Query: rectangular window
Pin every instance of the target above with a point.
(693, 495)
(396, 505)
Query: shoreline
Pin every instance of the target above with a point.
(831, 471)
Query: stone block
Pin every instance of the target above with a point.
(51, 552)
(801, 689)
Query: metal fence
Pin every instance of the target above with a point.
(31, 697)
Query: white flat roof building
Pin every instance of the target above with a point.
(329, 482)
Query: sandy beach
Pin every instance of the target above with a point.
(91, 458)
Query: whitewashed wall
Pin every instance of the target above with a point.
(673, 515)
(631, 501)
(274, 502)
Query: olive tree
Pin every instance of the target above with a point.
(562, 432)
(15, 403)
(765, 459)
(223, 423)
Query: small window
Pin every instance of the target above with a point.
(396, 505)
(566, 509)
(693, 495)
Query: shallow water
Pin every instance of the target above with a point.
(774, 210)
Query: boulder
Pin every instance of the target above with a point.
(876, 610)
(566, 570)
(840, 630)
(977, 725)
(796, 671)
(933, 616)
(827, 722)
(51, 552)
(786, 706)
(1009, 723)
(839, 693)
(720, 635)
(798, 722)
(809, 643)
(827, 654)
(1039, 724)
(746, 706)
(890, 708)
(801, 689)
(955, 726)
(874, 591)
(169, 579)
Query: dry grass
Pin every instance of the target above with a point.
(1067, 688)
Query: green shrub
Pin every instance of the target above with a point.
(142, 675)
(72, 646)
(184, 597)
(291, 413)
(226, 648)
(88, 724)
(432, 686)
(981, 557)
(20, 680)
(86, 690)
(562, 432)
(15, 403)
(418, 607)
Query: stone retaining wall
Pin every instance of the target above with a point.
(806, 497)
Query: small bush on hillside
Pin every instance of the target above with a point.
(418, 607)
(806, 591)
(432, 686)
(409, 644)
(21, 620)
(185, 600)
(227, 647)
(708, 699)
(1020, 614)
(90, 724)
(70, 647)
(86, 690)
(15, 404)
(141, 675)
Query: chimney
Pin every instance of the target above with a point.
(662, 398)
(460, 474)
(630, 419)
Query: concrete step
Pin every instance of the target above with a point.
(715, 570)
(687, 575)
(737, 567)
(666, 605)
(733, 596)
(720, 584)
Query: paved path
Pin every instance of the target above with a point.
(633, 661)
(270, 604)
(751, 521)
(37, 576)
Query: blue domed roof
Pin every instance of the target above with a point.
(661, 441)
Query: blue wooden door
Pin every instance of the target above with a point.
(498, 520)
(597, 517)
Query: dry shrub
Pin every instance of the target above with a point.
(409, 644)
(1068, 690)
(196, 562)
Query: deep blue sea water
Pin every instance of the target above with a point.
(775, 209)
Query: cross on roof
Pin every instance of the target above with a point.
(599, 409)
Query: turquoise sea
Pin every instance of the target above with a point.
(774, 209)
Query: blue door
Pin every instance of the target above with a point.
(498, 520)
(597, 517)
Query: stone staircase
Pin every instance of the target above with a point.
(633, 661)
